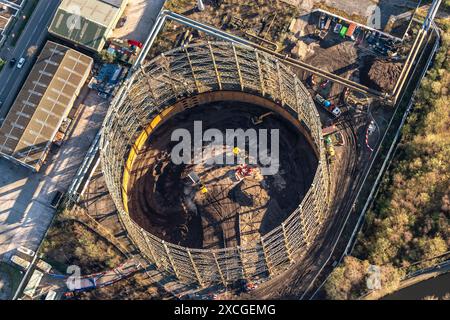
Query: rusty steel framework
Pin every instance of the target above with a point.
(186, 72)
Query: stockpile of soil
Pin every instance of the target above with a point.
(380, 74)
(162, 201)
(332, 57)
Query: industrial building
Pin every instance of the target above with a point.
(87, 23)
(43, 103)
(9, 10)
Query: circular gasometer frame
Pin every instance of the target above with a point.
(190, 76)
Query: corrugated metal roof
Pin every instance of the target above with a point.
(88, 34)
(43, 102)
(86, 22)
(115, 3)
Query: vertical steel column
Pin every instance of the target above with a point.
(286, 243)
(192, 69)
(266, 257)
(303, 227)
(197, 274)
(241, 81)
(152, 254)
(261, 76)
(213, 59)
(280, 82)
(172, 263)
(219, 269)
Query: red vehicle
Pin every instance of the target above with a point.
(135, 43)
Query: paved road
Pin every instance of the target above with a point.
(34, 34)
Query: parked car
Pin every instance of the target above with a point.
(20, 63)
(337, 28)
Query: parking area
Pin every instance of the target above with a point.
(381, 14)
(347, 50)
(138, 19)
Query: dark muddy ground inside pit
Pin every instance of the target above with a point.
(163, 202)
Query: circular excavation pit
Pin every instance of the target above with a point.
(232, 210)
(211, 222)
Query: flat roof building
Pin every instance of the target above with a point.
(43, 103)
(87, 23)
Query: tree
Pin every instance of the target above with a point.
(348, 280)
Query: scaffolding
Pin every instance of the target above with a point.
(186, 72)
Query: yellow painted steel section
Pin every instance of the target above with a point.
(136, 148)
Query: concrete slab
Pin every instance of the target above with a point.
(141, 15)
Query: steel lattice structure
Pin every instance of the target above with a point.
(187, 72)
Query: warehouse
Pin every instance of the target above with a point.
(43, 103)
(87, 23)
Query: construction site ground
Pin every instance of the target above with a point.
(139, 16)
(163, 201)
(348, 169)
(149, 282)
(292, 32)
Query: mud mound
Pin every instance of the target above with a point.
(380, 74)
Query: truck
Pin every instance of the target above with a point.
(337, 28)
(330, 107)
(325, 27)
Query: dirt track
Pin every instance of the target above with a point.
(162, 202)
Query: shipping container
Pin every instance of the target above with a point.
(351, 30)
(343, 31)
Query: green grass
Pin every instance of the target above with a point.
(2, 64)
(14, 275)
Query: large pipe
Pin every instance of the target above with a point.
(165, 14)
(416, 47)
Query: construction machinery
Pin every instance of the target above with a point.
(330, 107)
(258, 120)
